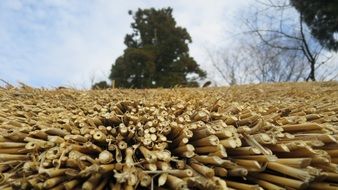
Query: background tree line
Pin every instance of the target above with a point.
(283, 40)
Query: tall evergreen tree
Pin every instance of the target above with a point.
(321, 16)
(157, 53)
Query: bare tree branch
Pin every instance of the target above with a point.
(214, 63)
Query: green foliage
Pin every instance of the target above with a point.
(100, 85)
(322, 18)
(157, 53)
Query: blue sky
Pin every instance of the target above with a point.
(72, 43)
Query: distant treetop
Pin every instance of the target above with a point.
(322, 18)
(157, 53)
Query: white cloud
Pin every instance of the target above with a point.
(54, 43)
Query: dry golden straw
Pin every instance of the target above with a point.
(265, 136)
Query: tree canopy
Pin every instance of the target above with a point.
(100, 85)
(322, 19)
(157, 53)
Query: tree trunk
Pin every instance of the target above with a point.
(312, 72)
